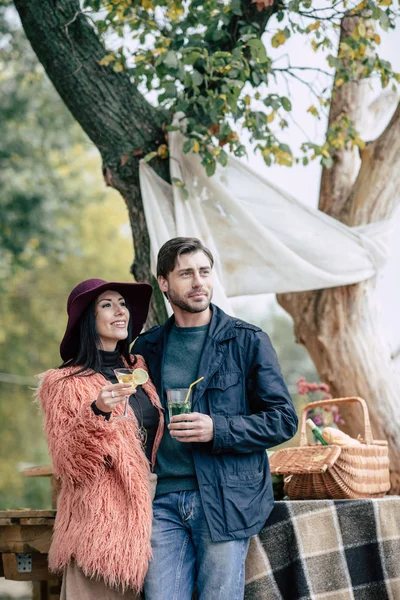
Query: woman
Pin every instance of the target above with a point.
(101, 538)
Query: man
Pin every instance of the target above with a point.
(214, 488)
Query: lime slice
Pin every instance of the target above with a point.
(139, 376)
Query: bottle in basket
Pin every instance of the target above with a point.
(317, 433)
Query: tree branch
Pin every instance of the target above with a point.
(108, 106)
(337, 182)
(376, 192)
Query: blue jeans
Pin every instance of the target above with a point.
(184, 554)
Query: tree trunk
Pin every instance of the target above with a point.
(340, 326)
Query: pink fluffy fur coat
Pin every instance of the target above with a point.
(104, 508)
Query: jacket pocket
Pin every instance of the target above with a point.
(243, 495)
(225, 393)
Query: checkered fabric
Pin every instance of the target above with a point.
(327, 550)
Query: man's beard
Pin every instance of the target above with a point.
(184, 305)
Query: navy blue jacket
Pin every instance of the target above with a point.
(244, 393)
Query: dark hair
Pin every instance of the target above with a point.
(88, 355)
(171, 250)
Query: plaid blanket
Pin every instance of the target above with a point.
(327, 550)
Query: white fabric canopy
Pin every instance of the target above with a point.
(263, 240)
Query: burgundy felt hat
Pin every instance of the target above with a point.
(137, 296)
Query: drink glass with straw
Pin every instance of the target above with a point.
(136, 377)
(178, 400)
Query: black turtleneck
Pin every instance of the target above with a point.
(145, 412)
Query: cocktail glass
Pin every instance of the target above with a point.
(136, 377)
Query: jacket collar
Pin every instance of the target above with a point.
(221, 327)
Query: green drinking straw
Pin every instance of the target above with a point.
(190, 387)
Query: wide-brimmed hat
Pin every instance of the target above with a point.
(137, 296)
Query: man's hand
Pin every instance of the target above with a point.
(193, 427)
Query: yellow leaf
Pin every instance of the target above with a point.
(278, 39)
(360, 6)
(314, 26)
(162, 151)
(271, 117)
(385, 2)
(147, 4)
(196, 146)
(107, 59)
(118, 67)
(339, 82)
(376, 38)
(139, 58)
(314, 45)
(313, 111)
(284, 158)
(361, 29)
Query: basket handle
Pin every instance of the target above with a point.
(353, 399)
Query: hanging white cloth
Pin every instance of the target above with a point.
(263, 240)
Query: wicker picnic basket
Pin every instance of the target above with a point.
(315, 471)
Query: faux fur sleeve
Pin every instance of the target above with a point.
(81, 444)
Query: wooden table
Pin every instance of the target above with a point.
(25, 537)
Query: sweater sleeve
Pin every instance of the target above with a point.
(81, 444)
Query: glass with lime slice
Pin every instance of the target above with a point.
(136, 377)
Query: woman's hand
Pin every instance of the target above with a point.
(112, 394)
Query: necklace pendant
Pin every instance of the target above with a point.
(142, 435)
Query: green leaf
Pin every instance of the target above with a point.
(190, 59)
(287, 105)
(210, 168)
(240, 151)
(197, 78)
(327, 162)
(171, 60)
(257, 50)
(187, 145)
(149, 157)
(223, 158)
(185, 193)
(236, 7)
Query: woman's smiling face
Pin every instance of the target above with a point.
(112, 318)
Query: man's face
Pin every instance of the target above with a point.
(189, 285)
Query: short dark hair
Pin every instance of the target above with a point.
(174, 248)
